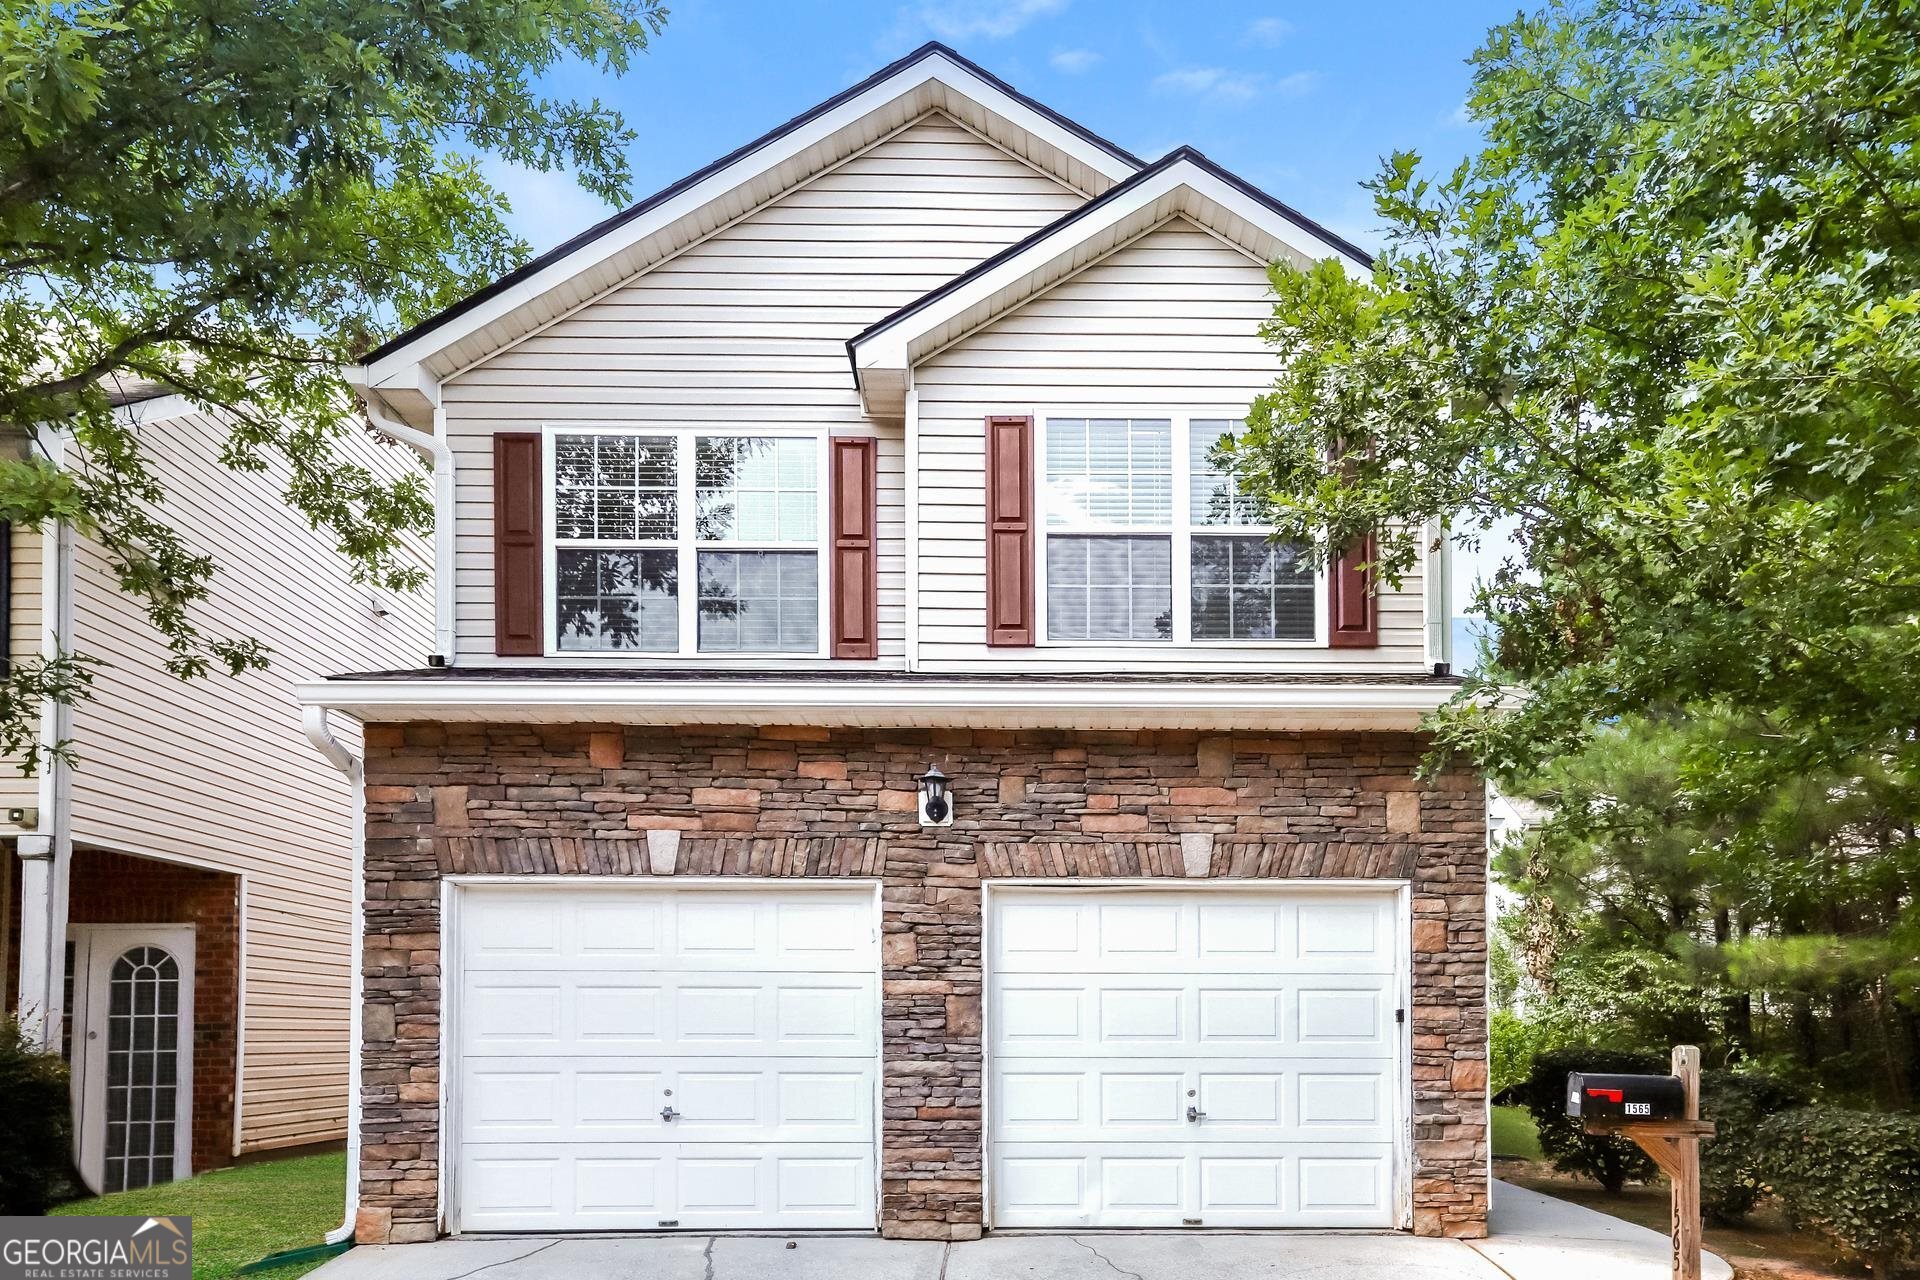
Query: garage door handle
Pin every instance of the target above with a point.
(1195, 1115)
(668, 1113)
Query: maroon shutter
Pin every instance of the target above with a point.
(1351, 619)
(852, 577)
(517, 604)
(1009, 530)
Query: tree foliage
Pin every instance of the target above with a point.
(1771, 923)
(1667, 324)
(227, 200)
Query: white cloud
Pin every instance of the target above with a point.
(1073, 61)
(547, 207)
(986, 19)
(1210, 82)
(1222, 85)
(1297, 84)
(1268, 31)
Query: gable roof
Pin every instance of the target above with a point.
(1183, 182)
(932, 77)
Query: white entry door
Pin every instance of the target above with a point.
(130, 1045)
(643, 1059)
(1218, 1058)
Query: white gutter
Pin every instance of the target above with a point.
(439, 456)
(314, 720)
(928, 700)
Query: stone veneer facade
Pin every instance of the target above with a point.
(775, 802)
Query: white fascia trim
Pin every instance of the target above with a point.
(1295, 235)
(892, 347)
(1090, 703)
(934, 68)
(158, 409)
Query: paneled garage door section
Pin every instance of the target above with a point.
(648, 1059)
(1200, 1059)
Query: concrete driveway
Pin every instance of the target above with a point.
(1534, 1238)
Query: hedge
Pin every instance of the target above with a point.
(1611, 1161)
(1731, 1178)
(36, 1130)
(1851, 1176)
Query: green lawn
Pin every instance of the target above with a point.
(1513, 1134)
(243, 1214)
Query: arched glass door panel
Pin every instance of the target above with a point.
(142, 1068)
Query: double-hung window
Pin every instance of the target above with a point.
(686, 542)
(1146, 540)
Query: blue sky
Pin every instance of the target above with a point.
(1299, 99)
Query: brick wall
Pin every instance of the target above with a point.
(467, 799)
(110, 888)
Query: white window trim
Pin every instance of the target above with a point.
(687, 549)
(1181, 531)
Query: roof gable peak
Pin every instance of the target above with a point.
(932, 77)
(1184, 183)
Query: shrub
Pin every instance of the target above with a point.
(1610, 1160)
(36, 1129)
(1736, 1102)
(1851, 1176)
(1512, 1045)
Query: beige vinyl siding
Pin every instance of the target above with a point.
(1168, 322)
(217, 772)
(23, 641)
(750, 325)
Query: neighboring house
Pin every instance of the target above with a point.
(178, 916)
(882, 444)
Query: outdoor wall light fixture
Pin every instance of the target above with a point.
(936, 798)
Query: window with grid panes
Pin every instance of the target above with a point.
(1243, 584)
(1128, 515)
(686, 542)
(1108, 493)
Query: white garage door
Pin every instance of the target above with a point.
(644, 1058)
(1214, 1058)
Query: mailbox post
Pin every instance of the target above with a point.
(1662, 1116)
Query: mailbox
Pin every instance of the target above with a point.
(1591, 1096)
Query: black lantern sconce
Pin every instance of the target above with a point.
(936, 798)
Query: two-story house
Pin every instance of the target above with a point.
(877, 773)
(175, 905)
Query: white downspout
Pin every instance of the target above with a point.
(910, 428)
(314, 721)
(1439, 595)
(434, 448)
(46, 853)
